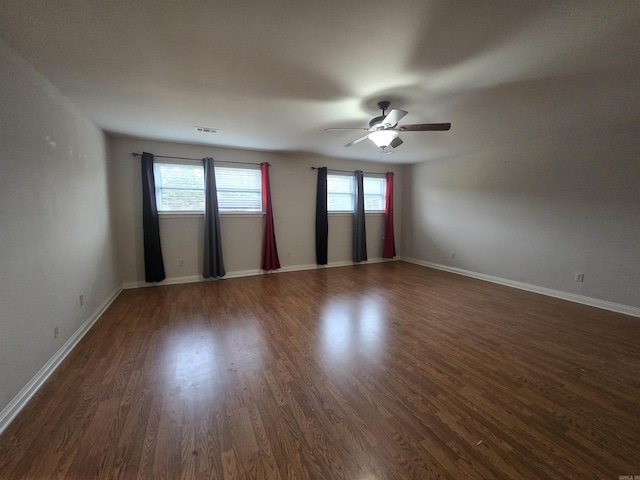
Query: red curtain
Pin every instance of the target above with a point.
(389, 250)
(270, 259)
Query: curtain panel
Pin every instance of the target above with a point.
(322, 218)
(389, 249)
(270, 260)
(153, 264)
(213, 264)
(359, 230)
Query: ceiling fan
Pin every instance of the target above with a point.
(384, 128)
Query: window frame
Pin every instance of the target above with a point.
(383, 194)
(353, 193)
(186, 213)
(224, 211)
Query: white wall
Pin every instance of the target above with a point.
(536, 213)
(56, 239)
(293, 190)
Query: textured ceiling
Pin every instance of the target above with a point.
(273, 74)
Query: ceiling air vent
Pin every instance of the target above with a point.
(207, 129)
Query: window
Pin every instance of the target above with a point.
(341, 193)
(180, 188)
(375, 189)
(239, 189)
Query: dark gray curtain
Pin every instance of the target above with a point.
(213, 264)
(153, 264)
(359, 231)
(322, 218)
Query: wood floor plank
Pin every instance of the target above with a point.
(384, 371)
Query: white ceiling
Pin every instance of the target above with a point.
(273, 74)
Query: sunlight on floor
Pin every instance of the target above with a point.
(351, 328)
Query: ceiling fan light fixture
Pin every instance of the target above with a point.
(382, 138)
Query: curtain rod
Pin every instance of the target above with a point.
(136, 154)
(349, 171)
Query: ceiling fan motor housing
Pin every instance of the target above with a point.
(376, 120)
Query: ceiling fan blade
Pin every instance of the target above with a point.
(393, 117)
(425, 127)
(357, 141)
(396, 142)
(338, 129)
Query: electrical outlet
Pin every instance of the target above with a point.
(453, 254)
(81, 300)
(55, 332)
(579, 277)
(181, 263)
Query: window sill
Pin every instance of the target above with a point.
(242, 214)
(164, 215)
(201, 214)
(344, 214)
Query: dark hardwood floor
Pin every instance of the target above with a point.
(384, 371)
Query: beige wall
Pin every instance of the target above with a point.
(536, 213)
(293, 189)
(56, 237)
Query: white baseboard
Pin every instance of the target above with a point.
(313, 266)
(572, 297)
(11, 410)
(166, 281)
(250, 273)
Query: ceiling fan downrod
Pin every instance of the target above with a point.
(383, 105)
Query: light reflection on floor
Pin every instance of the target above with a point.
(191, 359)
(200, 360)
(353, 327)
